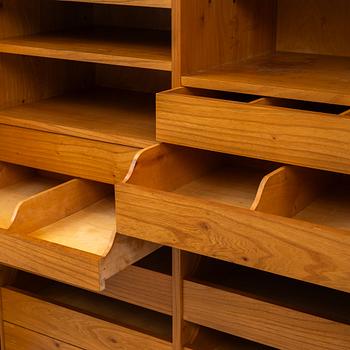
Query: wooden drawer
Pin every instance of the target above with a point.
(266, 308)
(18, 338)
(84, 319)
(62, 228)
(291, 131)
(286, 220)
(89, 159)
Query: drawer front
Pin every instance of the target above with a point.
(93, 160)
(241, 236)
(72, 327)
(18, 338)
(285, 135)
(261, 321)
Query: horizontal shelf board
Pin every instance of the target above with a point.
(109, 115)
(310, 77)
(140, 3)
(124, 47)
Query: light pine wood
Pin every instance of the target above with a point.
(143, 3)
(314, 139)
(114, 116)
(75, 327)
(206, 226)
(18, 338)
(143, 49)
(260, 321)
(304, 76)
(94, 160)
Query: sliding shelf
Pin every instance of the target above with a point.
(239, 210)
(63, 229)
(82, 319)
(114, 46)
(309, 77)
(266, 308)
(142, 3)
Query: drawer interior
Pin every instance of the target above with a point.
(102, 307)
(209, 339)
(204, 175)
(287, 49)
(332, 206)
(264, 101)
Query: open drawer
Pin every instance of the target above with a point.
(83, 319)
(286, 220)
(62, 228)
(266, 308)
(297, 132)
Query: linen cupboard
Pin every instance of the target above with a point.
(175, 174)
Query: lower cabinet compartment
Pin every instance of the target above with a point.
(19, 338)
(147, 283)
(83, 319)
(266, 308)
(275, 218)
(62, 228)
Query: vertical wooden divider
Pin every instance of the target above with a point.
(7, 275)
(184, 264)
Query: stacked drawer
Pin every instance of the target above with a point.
(76, 105)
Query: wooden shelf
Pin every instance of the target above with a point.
(124, 47)
(317, 78)
(109, 115)
(141, 3)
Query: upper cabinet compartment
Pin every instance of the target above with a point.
(115, 35)
(276, 48)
